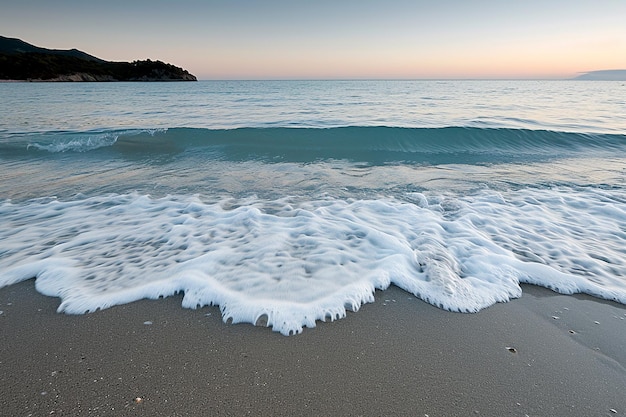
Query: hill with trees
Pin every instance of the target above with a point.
(22, 61)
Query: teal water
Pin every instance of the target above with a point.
(293, 201)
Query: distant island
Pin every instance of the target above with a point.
(21, 61)
(605, 75)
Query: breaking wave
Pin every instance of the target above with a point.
(374, 145)
(293, 263)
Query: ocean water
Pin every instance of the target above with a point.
(289, 202)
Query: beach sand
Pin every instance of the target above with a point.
(541, 355)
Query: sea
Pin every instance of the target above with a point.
(286, 203)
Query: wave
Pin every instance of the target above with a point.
(374, 145)
(295, 263)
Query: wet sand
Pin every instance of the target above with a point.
(541, 355)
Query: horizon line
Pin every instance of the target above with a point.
(398, 79)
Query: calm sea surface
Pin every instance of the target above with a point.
(291, 201)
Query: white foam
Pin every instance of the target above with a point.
(77, 143)
(291, 263)
(84, 142)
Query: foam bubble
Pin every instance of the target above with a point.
(289, 263)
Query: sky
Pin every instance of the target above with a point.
(336, 39)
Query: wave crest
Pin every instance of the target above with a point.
(374, 145)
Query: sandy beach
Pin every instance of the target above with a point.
(541, 355)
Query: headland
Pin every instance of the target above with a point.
(21, 61)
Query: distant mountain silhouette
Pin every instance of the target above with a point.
(16, 46)
(605, 75)
(22, 61)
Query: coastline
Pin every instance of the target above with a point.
(542, 354)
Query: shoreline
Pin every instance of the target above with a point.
(542, 354)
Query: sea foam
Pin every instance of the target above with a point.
(289, 262)
(55, 142)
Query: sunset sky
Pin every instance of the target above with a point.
(313, 39)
